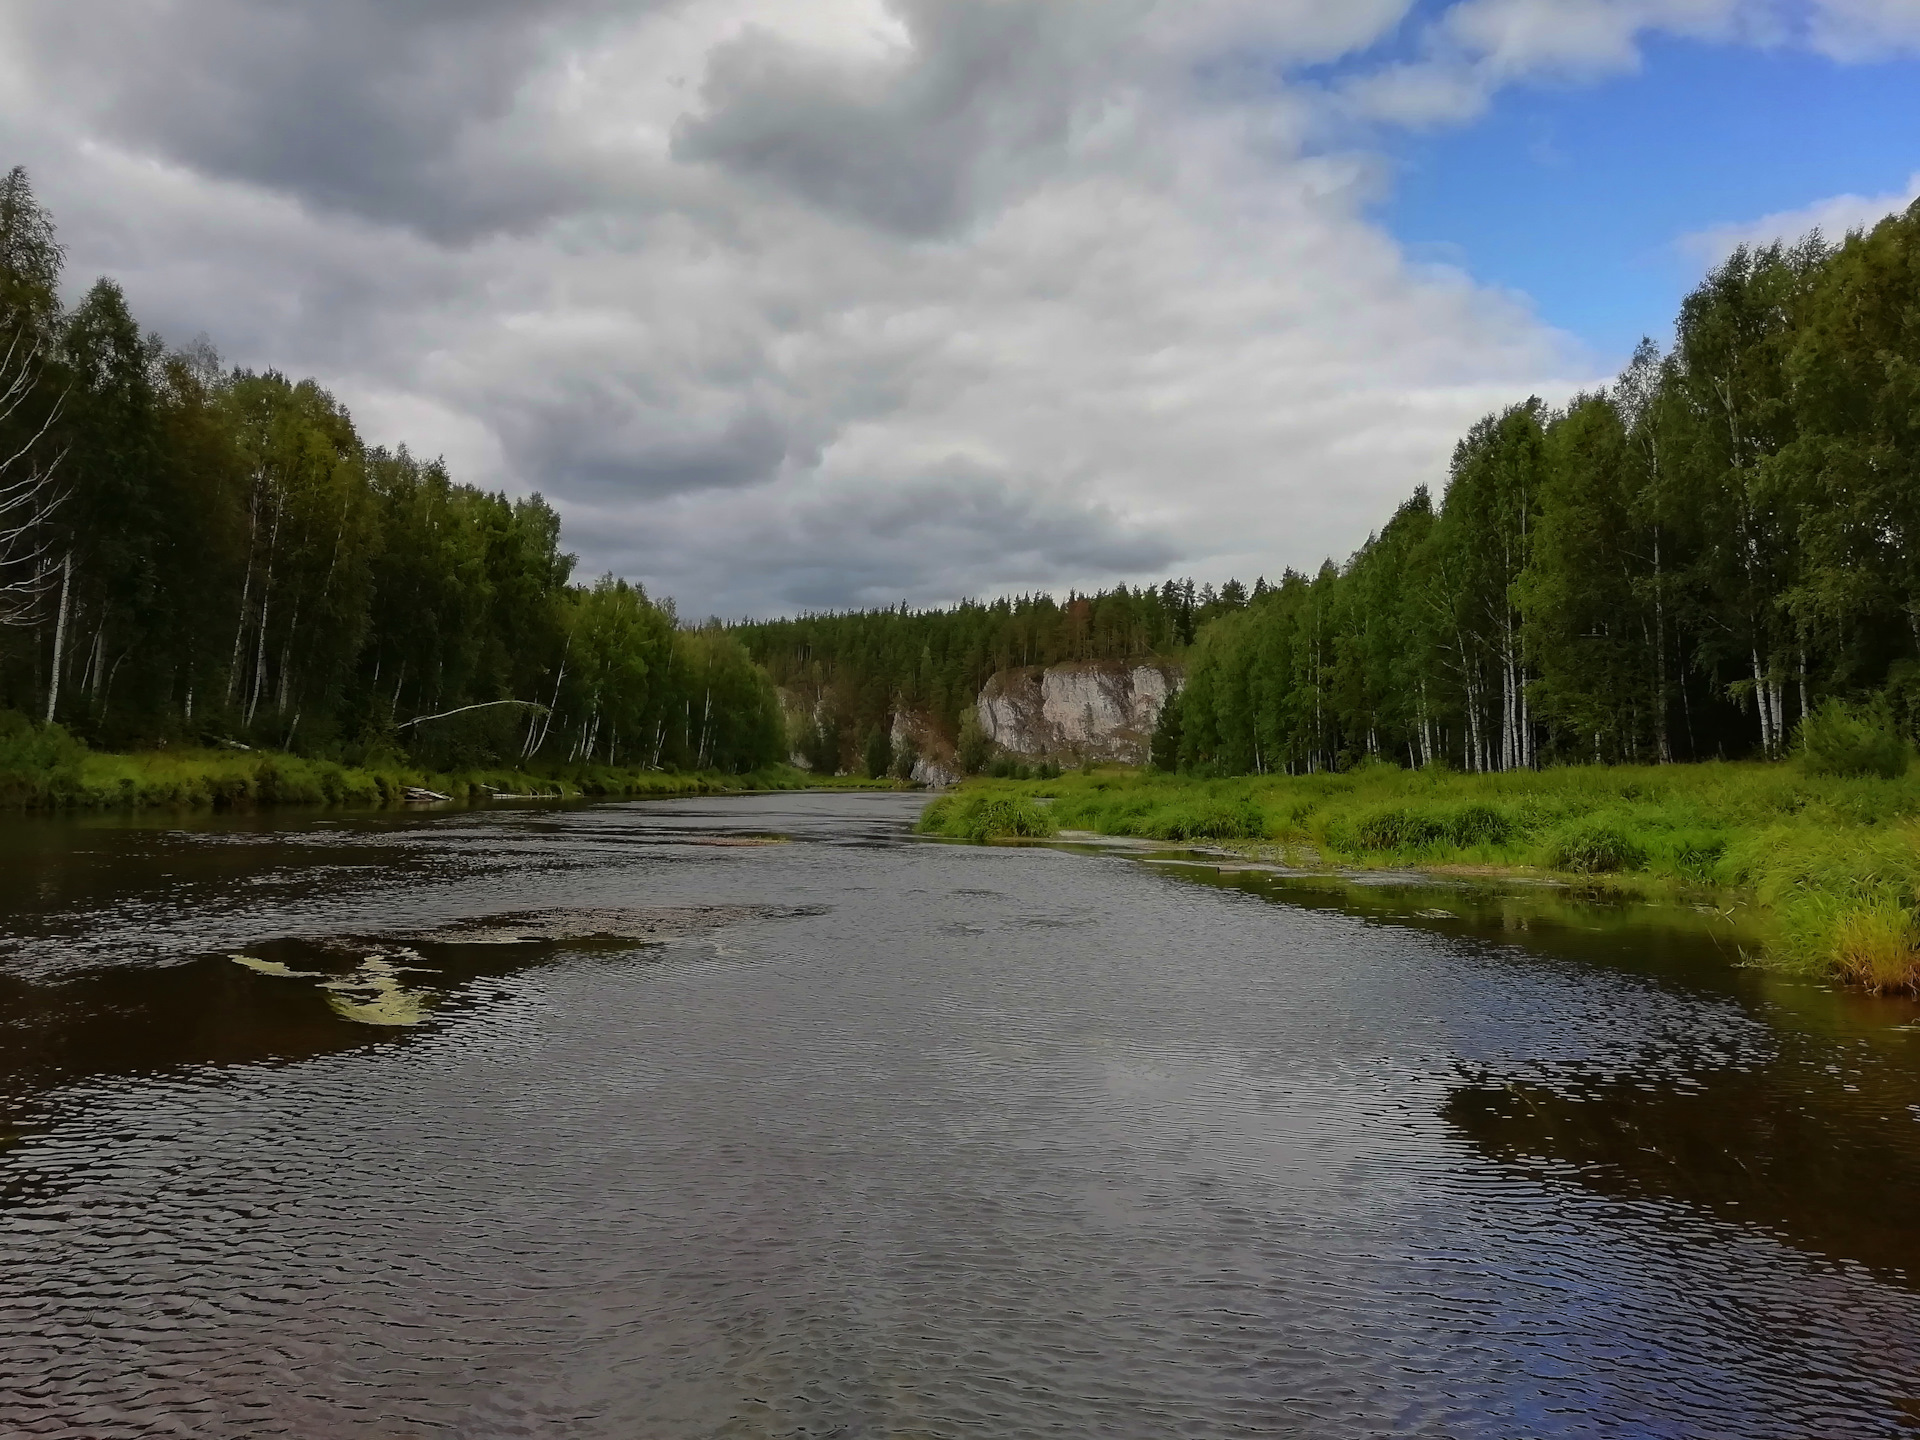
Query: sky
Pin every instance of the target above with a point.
(801, 304)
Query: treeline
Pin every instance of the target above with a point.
(1681, 566)
(850, 672)
(200, 555)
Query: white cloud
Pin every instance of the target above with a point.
(808, 305)
(1833, 217)
(1859, 30)
(1472, 49)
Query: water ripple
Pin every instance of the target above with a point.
(962, 1141)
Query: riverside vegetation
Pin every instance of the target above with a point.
(1825, 849)
(45, 768)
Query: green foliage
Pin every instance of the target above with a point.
(1163, 750)
(1838, 739)
(905, 758)
(1830, 863)
(1206, 820)
(37, 762)
(42, 768)
(820, 746)
(986, 817)
(1405, 828)
(236, 565)
(877, 753)
(1681, 566)
(862, 667)
(975, 750)
(1593, 847)
(27, 747)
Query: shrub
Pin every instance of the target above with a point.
(878, 754)
(1840, 739)
(975, 748)
(905, 760)
(25, 746)
(1593, 847)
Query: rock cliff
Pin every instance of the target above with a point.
(1098, 709)
(933, 762)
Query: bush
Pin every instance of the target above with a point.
(904, 760)
(975, 749)
(878, 754)
(25, 746)
(1839, 739)
(1163, 750)
(1593, 847)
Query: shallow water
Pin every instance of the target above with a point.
(865, 1135)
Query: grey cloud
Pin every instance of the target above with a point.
(909, 144)
(734, 396)
(392, 111)
(601, 450)
(929, 539)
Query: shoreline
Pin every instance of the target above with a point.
(226, 780)
(1825, 868)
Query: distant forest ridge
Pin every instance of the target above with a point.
(1682, 565)
(860, 666)
(200, 555)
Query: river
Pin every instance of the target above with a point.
(762, 1117)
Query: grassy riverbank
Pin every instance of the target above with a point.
(45, 769)
(1831, 864)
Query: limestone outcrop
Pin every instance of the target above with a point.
(933, 763)
(1101, 710)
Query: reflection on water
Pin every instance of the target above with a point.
(1826, 1172)
(620, 1120)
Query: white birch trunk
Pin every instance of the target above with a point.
(246, 594)
(1762, 702)
(60, 635)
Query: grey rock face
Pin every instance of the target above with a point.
(1102, 710)
(931, 767)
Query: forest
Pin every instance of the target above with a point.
(1681, 566)
(196, 555)
(850, 672)
(1684, 565)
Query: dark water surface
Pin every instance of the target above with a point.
(875, 1136)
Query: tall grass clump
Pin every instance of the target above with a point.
(1204, 820)
(1404, 828)
(1840, 739)
(987, 817)
(1877, 947)
(1593, 847)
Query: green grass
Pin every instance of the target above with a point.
(986, 817)
(1830, 862)
(44, 769)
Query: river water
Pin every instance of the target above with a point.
(857, 1135)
